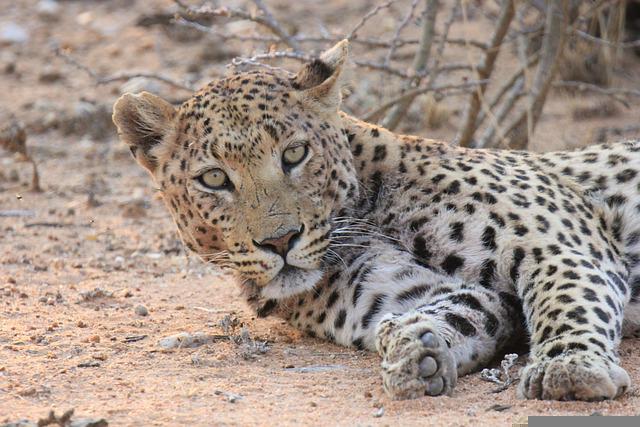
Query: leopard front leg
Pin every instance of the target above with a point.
(575, 313)
(425, 350)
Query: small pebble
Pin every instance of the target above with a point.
(141, 310)
(94, 338)
(379, 412)
(184, 340)
(81, 324)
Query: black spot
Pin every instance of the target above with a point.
(590, 295)
(602, 315)
(518, 256)
(497, 219)
(461, 324)
(453, 188)
(374, 308)
(417, 223)
(451, 263)
(489, 238)
(486, 273)
(626, 175)
(467, 300)
(267, 308)
(413, 293)
(340, 319)
(490, 323)
(437, 178)
(457, 231)
(379, 153)
(357, 343)
(332, 299)
(556, 350)
(616, 200)
(420, 249)
(521, 230)
(375, 133)
(357, 291)
(571, 275)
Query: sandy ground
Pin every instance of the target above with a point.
(79, 260)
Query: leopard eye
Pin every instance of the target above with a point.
(292, 156)
(214, 179)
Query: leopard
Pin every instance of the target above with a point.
(435, 256)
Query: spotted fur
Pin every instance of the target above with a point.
(434, 255)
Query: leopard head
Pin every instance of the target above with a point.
(253, 168)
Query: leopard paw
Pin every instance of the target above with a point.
(578, 376)
(416, 361)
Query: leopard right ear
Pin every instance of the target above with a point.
(144, 121)
(323, 81)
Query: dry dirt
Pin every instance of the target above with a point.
(77, 260)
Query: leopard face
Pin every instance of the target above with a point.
(252, 168)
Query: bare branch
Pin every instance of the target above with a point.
(618, 94)
(410, 74)
(275, 26)
(533, 60)
(419, 62)
(622, 45)
(378, 112)
(373, 12)
(552, 44)
(514, 93)
(255, 59)
(401, 26)
(485, 68)
(266, 20)
(102, 80)
(300, 38)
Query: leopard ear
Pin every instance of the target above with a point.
(144, 121)
(323, 81)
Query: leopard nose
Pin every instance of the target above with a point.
(280, 244)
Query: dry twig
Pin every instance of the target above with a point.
(373, 12)
(518, 132)
(617, 94)
(102, 80)
(484, 70)
(419, 63)
(378, 112)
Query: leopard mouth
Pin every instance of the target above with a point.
(291, 281)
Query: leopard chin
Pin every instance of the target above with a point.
(291, 281)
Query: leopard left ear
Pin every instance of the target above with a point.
(323, 81)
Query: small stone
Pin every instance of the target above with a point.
(49, 75)
(313, 404)
(185, 340)
(81, 324)
(379, 413)
(368, 395)
(10, 32)
(48, 10)
(94, 338)
(141, 310)
(11, 280)
(31, 391)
